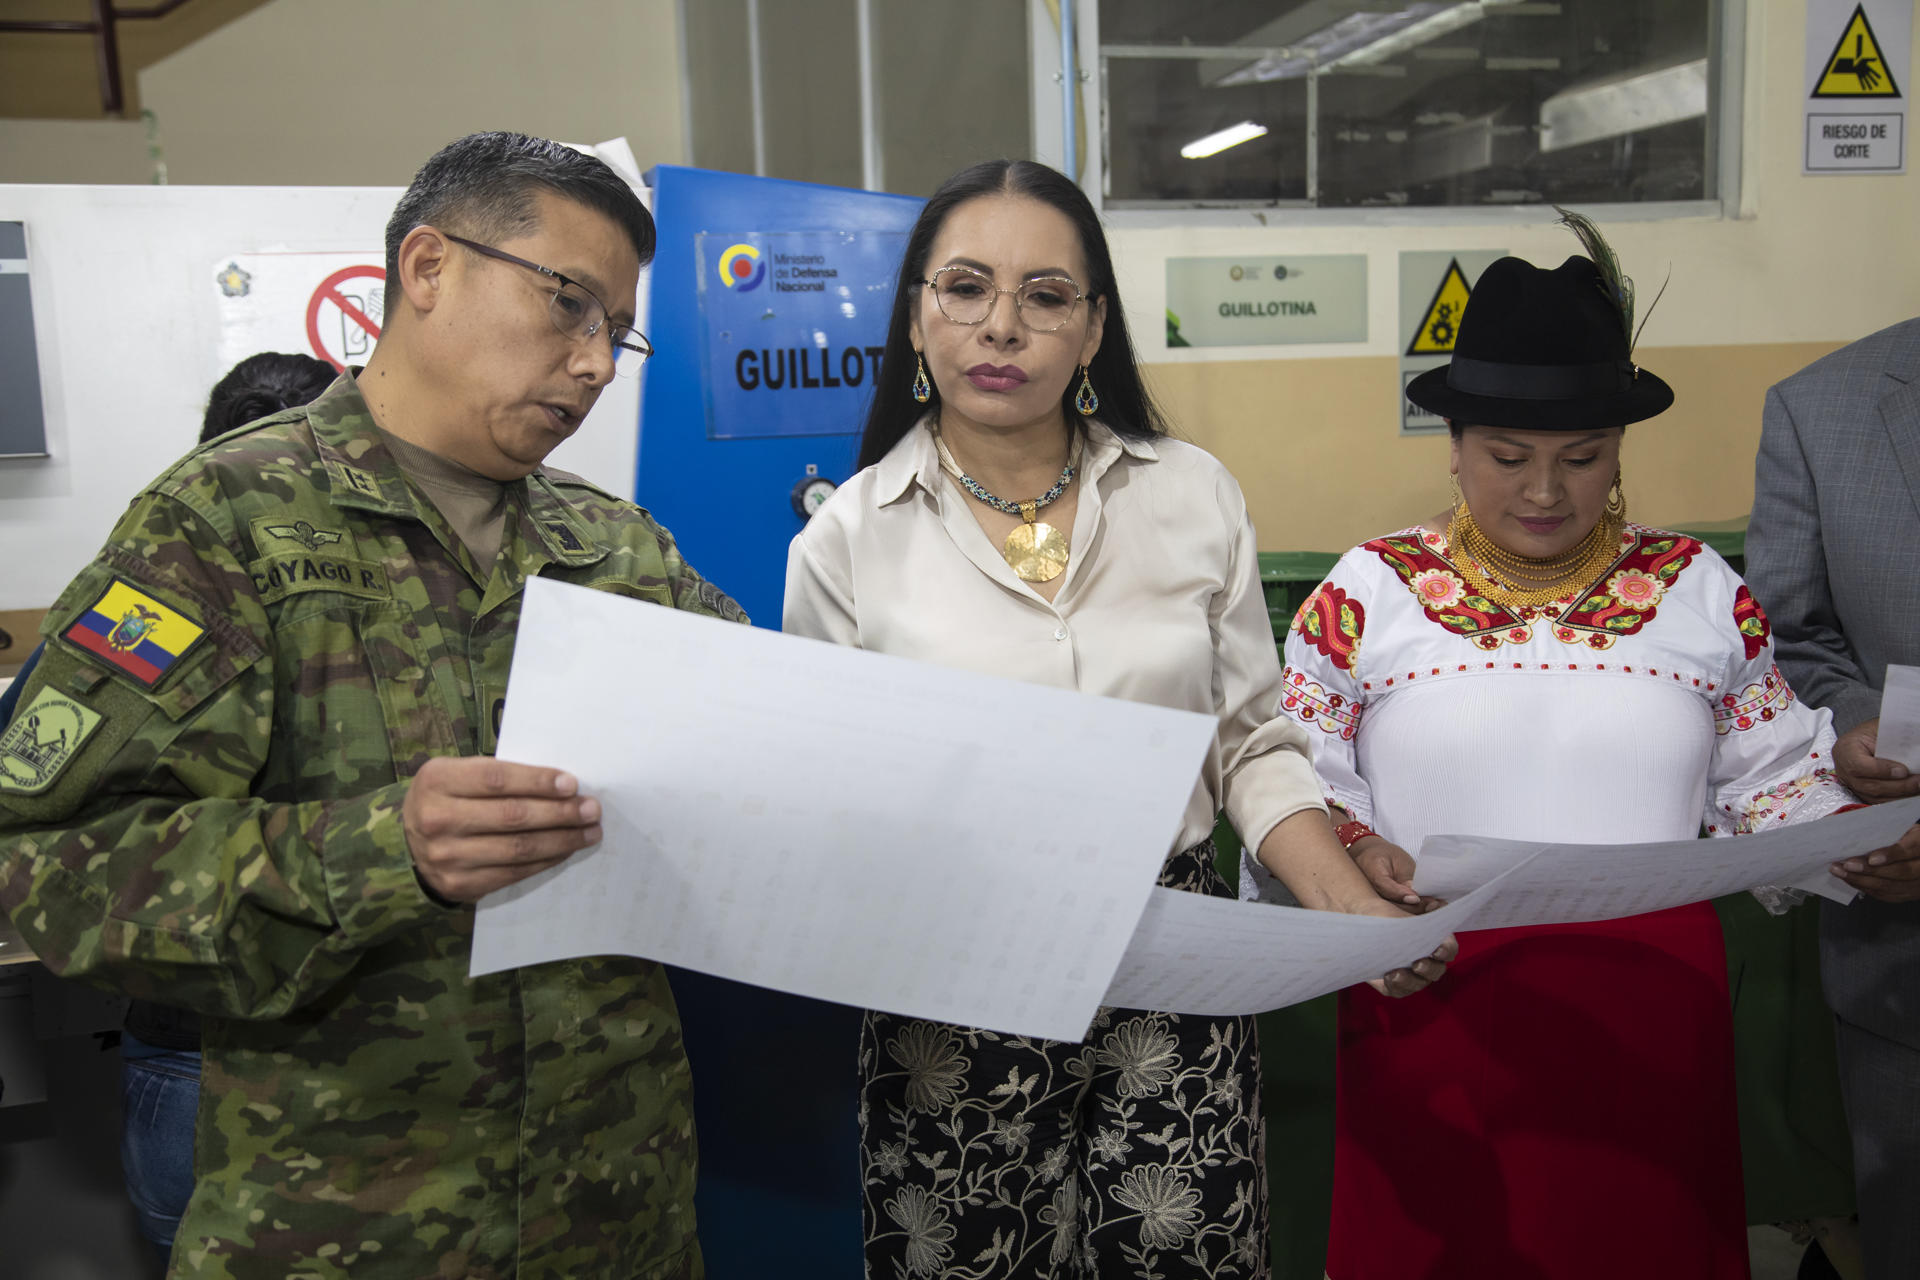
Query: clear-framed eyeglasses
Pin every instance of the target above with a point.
(966, 296)
(576, 313)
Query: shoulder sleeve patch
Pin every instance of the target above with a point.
(42, 740)
(135, 632)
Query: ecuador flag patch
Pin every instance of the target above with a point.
(135, 632)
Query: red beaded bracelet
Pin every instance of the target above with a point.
(1352, 833)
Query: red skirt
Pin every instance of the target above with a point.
(1559, 1107)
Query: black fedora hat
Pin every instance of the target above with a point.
(1541, 350)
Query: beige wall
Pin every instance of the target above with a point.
(108, 151)
(1312, 431)
(49, 76)
(359, 92)
(1312, 441)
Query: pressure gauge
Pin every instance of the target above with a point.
(811, 493)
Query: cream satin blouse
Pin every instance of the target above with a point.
(1161, 604)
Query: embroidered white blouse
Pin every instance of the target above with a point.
(1161, 604)
(1637, 712)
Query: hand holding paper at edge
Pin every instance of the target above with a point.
(477, 824)
(1217, 957)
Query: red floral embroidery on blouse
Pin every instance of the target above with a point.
(1752, 621)
(1755, 705)
(1445, 596)
(1332, 622)
(1629, 593)
(1332, 713)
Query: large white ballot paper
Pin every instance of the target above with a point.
(1210, 956)
(836, 824)
(1899, 734)
(1565, 883)
(1219, 958)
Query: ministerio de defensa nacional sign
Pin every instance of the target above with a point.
(793, 324)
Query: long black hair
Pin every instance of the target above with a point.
(1125, 405)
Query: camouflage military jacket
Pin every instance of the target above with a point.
(200, 804)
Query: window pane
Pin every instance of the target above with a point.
(1145, 138)
(954, 86)
(1421, 102)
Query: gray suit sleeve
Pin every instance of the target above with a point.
(1787, 568)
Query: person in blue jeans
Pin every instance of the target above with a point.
(160, 1046)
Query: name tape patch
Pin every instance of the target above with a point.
(277, 577)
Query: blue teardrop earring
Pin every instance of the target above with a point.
(922, 389)
(1085, 400)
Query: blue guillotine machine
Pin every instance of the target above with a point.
(768, 309)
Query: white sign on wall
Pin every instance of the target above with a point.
(326, 305)
(1262, 301)
(1859, 72)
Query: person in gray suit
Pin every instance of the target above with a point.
(1831, 555)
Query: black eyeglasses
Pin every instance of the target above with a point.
(576, 313)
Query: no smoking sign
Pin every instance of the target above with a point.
(344, 315)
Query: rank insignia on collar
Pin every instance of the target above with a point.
(42, 740)
(568, 542)
(304, 534)
(136, 633)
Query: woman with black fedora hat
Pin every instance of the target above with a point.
(1530, 665)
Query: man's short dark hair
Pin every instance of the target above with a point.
(484, 187)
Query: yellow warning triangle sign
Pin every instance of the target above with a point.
(1855, 68)
(1440, 325)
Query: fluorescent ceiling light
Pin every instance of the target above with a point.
(1232, 136)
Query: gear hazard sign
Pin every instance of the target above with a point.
(1434, 288)
(1858, 54)
(1441, 320)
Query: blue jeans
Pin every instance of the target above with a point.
(160, 1092)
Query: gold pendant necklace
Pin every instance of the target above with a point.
(1035, 550)
(1520, 582)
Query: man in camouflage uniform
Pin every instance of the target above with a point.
(252, 776)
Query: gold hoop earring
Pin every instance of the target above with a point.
(1617, 500)
(1085, 400)
(922, 389)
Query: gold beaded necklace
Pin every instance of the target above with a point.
(1522, 582)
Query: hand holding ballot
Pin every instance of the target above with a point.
(1891, 874)
(476, 824)
(1868, 774)
(1877, 759)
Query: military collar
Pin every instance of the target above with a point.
(363, 475)
(568, 536)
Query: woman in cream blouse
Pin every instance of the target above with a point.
(1019, 511)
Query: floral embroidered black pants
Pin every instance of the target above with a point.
(1137, 1153)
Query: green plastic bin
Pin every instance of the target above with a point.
(1288, 578)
